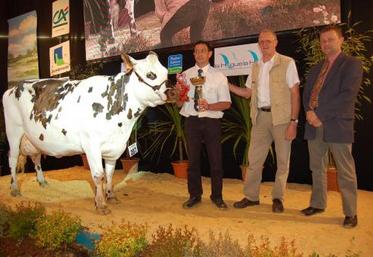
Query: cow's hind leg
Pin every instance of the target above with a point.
(28, 149)
(39, 172)
(109, 192)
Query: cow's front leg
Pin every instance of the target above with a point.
(109, 192)
(97, 171)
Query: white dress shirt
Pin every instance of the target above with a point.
(214, 90)
(264, 98)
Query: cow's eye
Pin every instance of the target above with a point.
(151, 75)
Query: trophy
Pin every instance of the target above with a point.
(198, 83)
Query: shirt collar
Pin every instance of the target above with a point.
(205, 69)
(271, 61)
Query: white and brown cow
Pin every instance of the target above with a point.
(94, 116)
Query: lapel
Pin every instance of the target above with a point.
(333, 70)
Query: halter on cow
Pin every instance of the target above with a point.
(94, 116)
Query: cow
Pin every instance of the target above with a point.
(95, 116)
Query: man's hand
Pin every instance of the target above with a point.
(203, 104)
(312, 119)
(291, 131)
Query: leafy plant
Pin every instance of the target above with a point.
(5, 214)
(123, 240)
(22, 222)
(264, 248)
(57, 230)
(173, 242)
(162, 132)
(236, 124)
(222, 245)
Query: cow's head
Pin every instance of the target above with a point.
(155, 88)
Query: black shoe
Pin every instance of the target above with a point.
(192, 201)
(311, 211)
(350, 222)
(219, 203)
(277, 206)
(244, 203)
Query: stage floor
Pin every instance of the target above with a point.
(156, 199)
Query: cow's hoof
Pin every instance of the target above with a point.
(43, 183)
(113, 200)
(15, 192)
(103, 211)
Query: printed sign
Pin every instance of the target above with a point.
(60, 18)
(236, 60)
(175, 63)
(59, 58)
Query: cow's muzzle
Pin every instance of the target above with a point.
(171, 92)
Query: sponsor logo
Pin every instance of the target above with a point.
(60, 17)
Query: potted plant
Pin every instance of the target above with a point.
(236, 126)
(355, 44)
(166, 132)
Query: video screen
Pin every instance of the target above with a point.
(116, 26)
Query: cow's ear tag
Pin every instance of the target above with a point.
(132, 149)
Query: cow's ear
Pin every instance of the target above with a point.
(152, 57)
(129, 62)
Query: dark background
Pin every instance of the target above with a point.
(360, 10)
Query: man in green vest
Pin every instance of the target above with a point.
(274, 90)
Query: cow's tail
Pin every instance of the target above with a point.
(21, 162)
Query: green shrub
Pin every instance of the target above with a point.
(123, 240)
(5, 213)
(222, 246)
(173, 242)
(22, 221)
(57, 230)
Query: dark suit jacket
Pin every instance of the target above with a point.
(336, 108)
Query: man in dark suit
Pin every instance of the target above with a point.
(329, 101)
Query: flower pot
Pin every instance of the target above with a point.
(180, 168)
(85, 161)
(129, 165)
(332, 183)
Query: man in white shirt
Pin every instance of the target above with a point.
(275, 102)
(202, 125)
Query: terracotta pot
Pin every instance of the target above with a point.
(332, 183)
(85, 161)
(130, 165)
(244, 169)
(180, 168)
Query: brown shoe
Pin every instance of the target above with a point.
(350, 222)
(311, 211)
(277, 206)
(244, 203)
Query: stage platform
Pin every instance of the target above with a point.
(156, 199)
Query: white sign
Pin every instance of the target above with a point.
(236, 60)
(60, 18)
(59, 58)
(132, 149)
